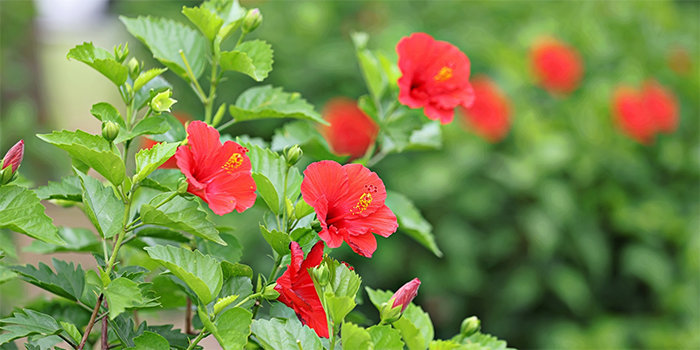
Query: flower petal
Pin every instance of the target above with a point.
(364, 244)
(325, 178)
(366, 191)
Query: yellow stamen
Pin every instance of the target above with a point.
(362, 204)
(444, 74)
(234, 162)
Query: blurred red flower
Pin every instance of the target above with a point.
(13, 157)
(661, 103)
(558, 67)
(351, 131)
(219, 174)
(148, 143)
(297, 289)
(349, 204)
(641, 114)
(434, 75)
(489, 116)
(405, 294)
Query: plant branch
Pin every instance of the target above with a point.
(91, 323)
(104, 336)
(197, 88)
(188, 317)
(197, 340)
(226, 125)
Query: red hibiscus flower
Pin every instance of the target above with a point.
(631, 117)
(405, 294)
(349, 204)
(351, 131)
(557, 67)
(489, 116)
(219, 174)
(662, 105)
(434, 75)
(297, 289)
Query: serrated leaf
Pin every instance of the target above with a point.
(176, 133)
(101, 60)
(445, 345)
(30, 322)
(77, 240)
(207, 21)
(232, 328)
(92, 150)
(411, 221)
(231, 12)
(143, 95)
(175, 337)
(480, 341)
(149, 126)
(68, 189)
(180, 214)
(148, 160)
(6, 274)
(279, 334)
(67, 282)
(122, 293)
(102, 206)
(162, 233)
(279, 241)
(355, 338)
(165, 38)
(169, 178)
(72, 331)
(150, 341)
(415, 325)
(252, 58)
(152, 184)
(147, 76)
(201, 273)
(232, 252)
(232, 270)
(21, 211)
(267, 192)
(385, 338)
(262, 102)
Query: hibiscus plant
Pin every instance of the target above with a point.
(147, 213)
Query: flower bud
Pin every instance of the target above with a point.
(13, 157)
(322, 275)
(405, 294)
(162, 102)
(134, 68)
(252, 20)
(292, 154)
(316, 225)
(389, 314)
(182, 187)
(470, 326)
(270, 293)
(6, 175)
(110, 130)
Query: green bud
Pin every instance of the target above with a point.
(322, 275)
(292, 154)
(219, 115)
(110, 130)
(134, 68)
(222, 303)
(6, 175)
(388, 313)
(270, 293)
(182, 186)
(120, 53)
(162, 102)
(470, 326)
(316, 225)
(252, 20)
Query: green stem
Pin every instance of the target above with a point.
(284, 201)
(197, 340)
(240, 39)
(252, 296)
(209, 104)
(378, 157)
(226, 125)
(197, 88)
(273, 275)
(166, 200)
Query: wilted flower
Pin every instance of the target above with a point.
(558, 67)
(351, 131)
(489, 116)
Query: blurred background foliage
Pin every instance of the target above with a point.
(567, 234)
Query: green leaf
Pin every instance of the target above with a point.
(355, 338)
(169, 178)
(68, 189)
(445, 345)
(148, 160)
(30, 323)
(102, 206)
(101, 60)
(21, 211)
(340, 297)
(77, 240)
(273, 166)
(6, 274)
(306, 135)
(267, 192)
(428, 137)
(480, 341)
(180, 214)
(152, 184)
(232, 328)
(302, 209)
(267, 102)
(396, 134)
(165, 38)
(147, 76)
(252, 58)
(105, 112)
(232, 252)
(67, 282)
(155, 86)
(122, 294)
(369, 65)
(72, 330)
(176, 133)
(231, 12)
(280, 334)
(411, 221)
(148, 126)
(279, 241)
(232, 270)
(385, 338)
(415, 325)
(201, 273)
(207, 21)
(92, 150)
(150, 341)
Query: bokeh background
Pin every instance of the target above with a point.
(567, 234)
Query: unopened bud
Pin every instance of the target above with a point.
(6, 175)
(134, 68)
(292, 154)
(316, 225)
(252, 20)
(388, 313)
(110, 130)
(120, 53)
(270, 293)
(182, 186)
(322, 275)
(13, 157)
(470, 326)
(162, 102)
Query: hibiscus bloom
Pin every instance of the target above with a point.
(351, 131)
(489, 116)
(297, 289)
(219, 174)
(662, 105)
(434, 75)
(631, 117)
(557, 67)
(349, 204)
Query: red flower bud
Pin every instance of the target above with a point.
(14, 156)
(405, 294)
(489, 116)
(557, 67)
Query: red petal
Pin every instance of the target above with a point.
(314, 257)
(364, 245)
(238, 189)
(204, 140)
(325, 178)
(382, 222)
(366, 191)
(445, 116)
(406, 294)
